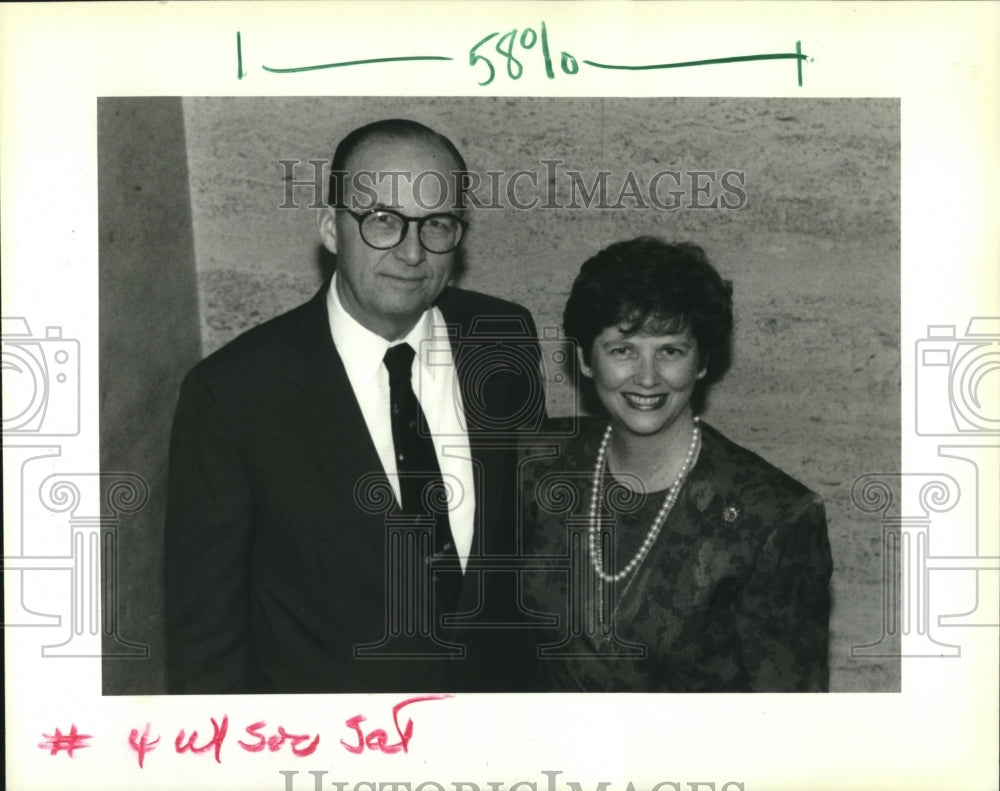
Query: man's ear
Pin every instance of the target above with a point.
(585, 369)
(326, 222)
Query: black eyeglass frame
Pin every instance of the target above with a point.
(362, 216)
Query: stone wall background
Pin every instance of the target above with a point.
(150, 335)
(813, 256)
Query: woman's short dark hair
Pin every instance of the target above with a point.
(649, 285)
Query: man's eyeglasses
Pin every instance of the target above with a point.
(383, 229)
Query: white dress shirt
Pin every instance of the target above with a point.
(435, 383)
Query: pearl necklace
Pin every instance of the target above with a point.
(596, 556)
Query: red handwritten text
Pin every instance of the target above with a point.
(274, 743)
(215, 741)
(142, 744)
(378, 740)
(67, 742)
(260, 737)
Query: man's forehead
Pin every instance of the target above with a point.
(385, 152)
(410, 173)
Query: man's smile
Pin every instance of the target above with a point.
(404, 280)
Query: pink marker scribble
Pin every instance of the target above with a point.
(378, 739)
(142, 744)
(216, 741)
(68, 742)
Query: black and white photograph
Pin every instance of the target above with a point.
(434, 395)
(755, 242)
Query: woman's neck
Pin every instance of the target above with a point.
(655, 459)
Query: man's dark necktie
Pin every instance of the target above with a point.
(419, 473)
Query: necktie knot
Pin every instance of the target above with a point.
(399, 360)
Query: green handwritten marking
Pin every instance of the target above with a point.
(797, 55)
(295, 69)
(475, 57)
(514, 66)
(505, 46)
(545, 52)
(239, 57)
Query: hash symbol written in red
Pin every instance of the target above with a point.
(68, 742)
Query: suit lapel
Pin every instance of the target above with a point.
(459, 323)
(487, 401)
(323, 408)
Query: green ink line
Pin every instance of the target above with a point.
(798, 65)
(711, 62)
(546, 54)
(239, 57)
(352, 63)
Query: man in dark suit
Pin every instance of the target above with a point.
(295, 559)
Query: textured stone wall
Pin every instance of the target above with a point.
(813, 255)
(149, 336)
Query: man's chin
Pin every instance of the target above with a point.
(404, 311)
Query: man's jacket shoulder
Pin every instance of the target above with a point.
(483, 313)
(268, 343)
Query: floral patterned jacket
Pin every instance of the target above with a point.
(733, 596)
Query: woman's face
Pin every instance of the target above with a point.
(644, 381)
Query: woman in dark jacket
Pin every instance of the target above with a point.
(674, 559)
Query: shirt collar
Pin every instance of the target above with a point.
(362, 350)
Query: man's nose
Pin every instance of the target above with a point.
(410, 251)
(647, 374)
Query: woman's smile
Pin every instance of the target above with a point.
(645, 403)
